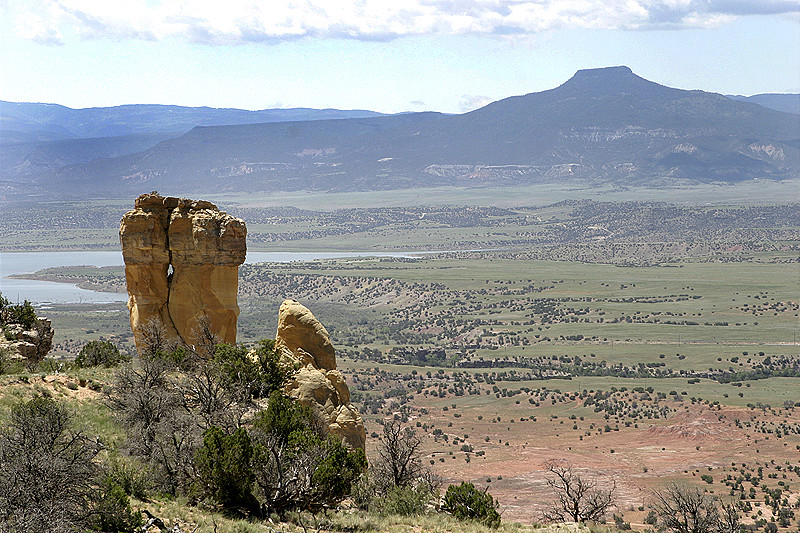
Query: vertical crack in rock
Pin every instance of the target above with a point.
(170, 275)
(182, 262)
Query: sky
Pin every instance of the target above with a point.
(384, 55)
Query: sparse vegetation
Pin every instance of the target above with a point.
(685, 509)
(579, 499)
(633, 353)
(49, 476)
(96, 353)
(465, 502)
(23, 314)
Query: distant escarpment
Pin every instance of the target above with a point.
(182, 262)
(602, 125)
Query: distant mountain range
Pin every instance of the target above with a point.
(35, 138)
(607, 124)
(787, 102)
(21, 122)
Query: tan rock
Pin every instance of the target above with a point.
(299, 329)
(182, 262)
(304, 341)
(30, 344)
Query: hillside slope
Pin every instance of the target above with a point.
(608, 125)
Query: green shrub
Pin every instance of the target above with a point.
(224, 466)
(177, 358)
(47, 471)
(336, 469)
(95, 353)
(254, 377)
(315, 472)
(5, 360)
(50, 365)
(114, 512)
(362, 493)
(130, 475)
(465, 502)
(245, 527)
(621, 524)
(282, 417)
(169, 396)
(404, 500)
(285, 465)
(23, 314)
(5, 303)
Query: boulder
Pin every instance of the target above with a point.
(182, 262)
(30, 344)
(299, 332)
(304, 342)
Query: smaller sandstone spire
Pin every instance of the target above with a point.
(303, 340)
(304, 336)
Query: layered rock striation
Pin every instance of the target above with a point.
(304, 342)
(182, 262)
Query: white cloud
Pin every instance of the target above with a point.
(239, 21)
(471, 102)
(32, 26)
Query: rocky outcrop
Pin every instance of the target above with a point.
(30, 344)
(303, 341)
(182, 262)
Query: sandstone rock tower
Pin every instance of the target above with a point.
(303, 340)
(182, 262)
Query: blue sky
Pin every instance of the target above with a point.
(385, 55)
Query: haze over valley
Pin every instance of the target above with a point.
(605, 126)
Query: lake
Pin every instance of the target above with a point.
(47, 292)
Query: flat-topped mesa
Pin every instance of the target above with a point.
(305, 342)
(182, 262)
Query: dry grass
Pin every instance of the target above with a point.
(200, 520)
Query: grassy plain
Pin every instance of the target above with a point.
(94, 223)
(766, 191)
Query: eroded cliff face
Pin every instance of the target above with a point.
(304, 341)
(182, 262)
